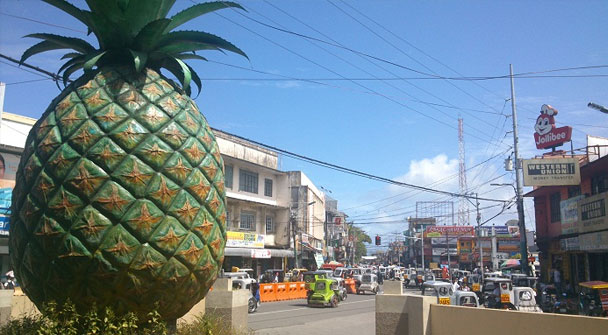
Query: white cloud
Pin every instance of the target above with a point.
(431, 171)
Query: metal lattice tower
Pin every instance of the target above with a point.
(441, 211)
(463, 205)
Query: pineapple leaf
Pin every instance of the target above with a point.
(180, 70)
(140, 13)
(77, 44)
(139, 59)
(199, 37)
(92, 59)
(196, 79)
(71, 55)
(72, 10)
(149, 35)
(198, 10)
(79, 59)
(180, 47)
(190, 56)
(38, 48)
(68, 72)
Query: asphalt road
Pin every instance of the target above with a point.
(355, 315)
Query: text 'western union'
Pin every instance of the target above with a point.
(551, 169)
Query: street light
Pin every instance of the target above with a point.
(598, 107)
(478, 218)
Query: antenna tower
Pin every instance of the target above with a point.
(463, 205)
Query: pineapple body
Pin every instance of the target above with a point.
(120, 198)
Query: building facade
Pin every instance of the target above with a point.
(572, 223)
(258, 200)
(13, 133)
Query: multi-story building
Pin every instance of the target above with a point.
(336, 231)
(308, 220)
(572, 222)
(258, 203)
(13, 133)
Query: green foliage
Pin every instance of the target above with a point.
(135, 33)
(360, 238)
(208, 324)
(65, 320)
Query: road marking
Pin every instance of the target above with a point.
(298, 309)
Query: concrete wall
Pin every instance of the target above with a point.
(243, 150)
(447, 320)
(420, 315)
(403, 314)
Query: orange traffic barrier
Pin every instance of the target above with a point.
(292, 291)
(267, 293)
(281, 291)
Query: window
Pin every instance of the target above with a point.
(247, 221)
(268, 187)
(599, 184)
(574, 191)
(555, 210)
(228, 223)
(228, 176)
(269, 225)
(248, 181)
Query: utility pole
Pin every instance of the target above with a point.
(293, 232)
(520, 200)
(479, 235)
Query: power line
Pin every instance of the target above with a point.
(41, 22)
(356, 172)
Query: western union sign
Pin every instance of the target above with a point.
(551, 172)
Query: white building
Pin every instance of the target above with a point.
(258, 203)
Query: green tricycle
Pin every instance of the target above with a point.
(325, 294)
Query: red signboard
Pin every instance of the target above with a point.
(546, 135)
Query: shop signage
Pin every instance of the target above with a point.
(500, 231)
(551, 172)
(319, 260)
(4, 225)
(592, 213)
(570, 244)
(594, 241)
(442, 252)
(547, 135)
(443, 231)
(569, 214)
(442, 240)
(260, 253)
(244, 240)
(508, 244)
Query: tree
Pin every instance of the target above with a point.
(360, 238)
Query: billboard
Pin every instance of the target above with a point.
(551, 172)
(592, 213)
(8, 171)
(244, 240)
(445, 231)
(546, 135)
(500, 231)
(569, 214)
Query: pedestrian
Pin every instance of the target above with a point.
(455, 286)
(10, 280)
(557, 280)
(276, 277)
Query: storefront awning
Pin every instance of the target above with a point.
(246, 252)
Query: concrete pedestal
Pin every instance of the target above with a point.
(229, 305)
(392, 287)
(6, 300)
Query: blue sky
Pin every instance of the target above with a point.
(404, 128)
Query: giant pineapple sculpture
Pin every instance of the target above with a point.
(120, 195)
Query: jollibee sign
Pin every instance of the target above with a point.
(547, 135)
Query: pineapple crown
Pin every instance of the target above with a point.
(135, 33)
